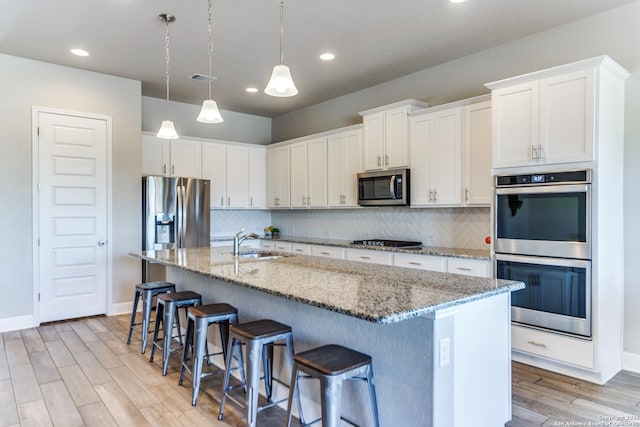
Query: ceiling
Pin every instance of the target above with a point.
(374, 41)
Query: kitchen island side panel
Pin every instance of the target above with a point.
(412, 389)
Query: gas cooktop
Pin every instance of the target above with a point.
(389, 243)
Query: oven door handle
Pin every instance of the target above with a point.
(392, 187)
(545, 189)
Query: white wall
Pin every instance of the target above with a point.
(614, 33)
(26, 83)
(238, 127)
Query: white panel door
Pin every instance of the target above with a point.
(72, 161)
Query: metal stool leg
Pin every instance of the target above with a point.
(159, 320)
(293, 391)
(254, 354)
(372, 395)
(133, 315)
(331, 398)
(188, 342)
(227, 375)
(167, 321)
(290, 353)
(147, 302)
(198, 354)
(267, 369)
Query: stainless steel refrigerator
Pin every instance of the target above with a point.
(175, 214)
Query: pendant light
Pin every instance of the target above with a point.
(210, 112)
(167, 130)
(281, 83)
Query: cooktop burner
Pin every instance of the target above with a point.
(388, 243)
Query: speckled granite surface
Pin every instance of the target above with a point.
(425, 250)
(377, 293)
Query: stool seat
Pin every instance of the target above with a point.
(151, 286)
(212, 310)
(259, 329)
(332, 359)
(180, 296)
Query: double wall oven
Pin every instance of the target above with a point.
(543, 238)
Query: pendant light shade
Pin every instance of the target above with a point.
(167, 130)
(281, 83)
(209, 112)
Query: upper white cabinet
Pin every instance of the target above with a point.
(476, 153)
(550, 117)
(309, 173)
(436, 162)
(257, 177)
(386, 136)
(278, 176)
(235, 172)
(344, 161)
(180, 157)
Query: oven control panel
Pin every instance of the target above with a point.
(570, 177)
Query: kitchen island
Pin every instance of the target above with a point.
(440, 342)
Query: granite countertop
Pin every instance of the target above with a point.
(377, 293)
(480, 254)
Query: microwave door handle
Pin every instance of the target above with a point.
(392, 187)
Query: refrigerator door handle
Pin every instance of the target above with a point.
(179, 215)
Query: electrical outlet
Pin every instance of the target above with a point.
(428, 239)
(445, 351)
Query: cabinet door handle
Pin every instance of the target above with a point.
(325, 253)
(466, 194)
(164, 169)
(430, 195)
(173, 169)
(250, 201)
(304, 201)
(540, 153)
(415, 263)
(463, 268)
(277, 201)
(537, 344)
(228, 201)
(365, 257)
(379, 161)
(299, 250)
(386, 160)
(221, 201)
(435, 195)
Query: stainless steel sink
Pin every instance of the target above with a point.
(258, 255)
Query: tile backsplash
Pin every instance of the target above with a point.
(447, 227)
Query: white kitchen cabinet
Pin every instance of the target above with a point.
(301, 248)
(257, 177)
(436, 162)
(282, 246)
(309, 173)
(386, 136)
(328, 251)
(278, 176)
(420, 262)
(476, 154)
(267, 244)
(344, 162)
(227, 167)
(548, 120)
(468, 267)
(370, 256)
(180, 157)
(564, 349)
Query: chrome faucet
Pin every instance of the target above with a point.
(238, 238)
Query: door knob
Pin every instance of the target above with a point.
(101, 242)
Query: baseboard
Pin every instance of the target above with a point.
(631, 362)
(17, 323)
(122, 308)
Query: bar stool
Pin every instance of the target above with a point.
(147, 291)
(260, 336)
(332, 364)
(166, 309)
(199, 318)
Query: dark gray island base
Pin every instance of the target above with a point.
(440, 342)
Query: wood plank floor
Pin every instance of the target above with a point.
(82, 373)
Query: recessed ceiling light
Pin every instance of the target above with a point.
(457, 1)
(79, 52)
(252, 89)
(327, 56)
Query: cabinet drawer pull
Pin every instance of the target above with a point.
(280, 247)
(299, 250)
(325, 253)
(415, 263)
(537, 344)
(365, 257)
(463, 268)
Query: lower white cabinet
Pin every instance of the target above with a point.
(421, 262)
(468, 267)
(372, 257)
(328, 251)
(267, 244)
(552, 346)
(301, 249)
(282, 246)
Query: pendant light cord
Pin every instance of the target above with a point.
(281, 31)
(166, 21)
(210, 48)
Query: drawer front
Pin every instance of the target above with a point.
(282, 246)
(552, 346)
(421, 262)
(373, 257)
(328, 252)
(300, 248)
(468, 267)
(265, 244)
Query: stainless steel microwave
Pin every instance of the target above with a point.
(384, 188)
